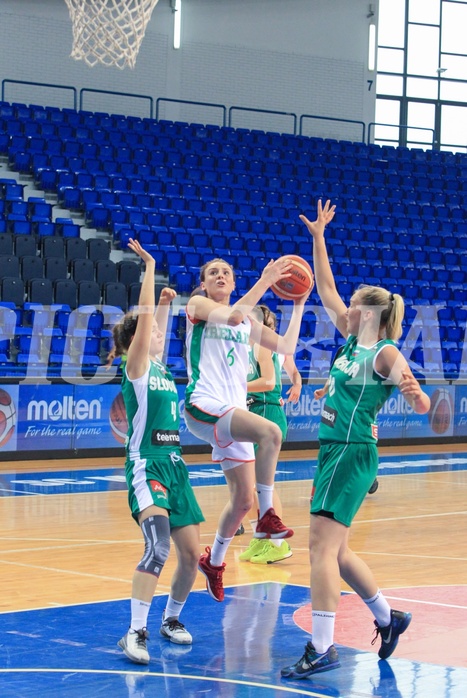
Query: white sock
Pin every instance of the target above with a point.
(219, 549)
(173, 608)
(139, 614)
(322, 630)
(264, 493)
(379, 608)
(276, 541)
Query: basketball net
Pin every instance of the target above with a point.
(109, 31)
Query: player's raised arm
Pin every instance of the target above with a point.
(325, 283)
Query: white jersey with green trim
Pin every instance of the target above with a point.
(217, 359)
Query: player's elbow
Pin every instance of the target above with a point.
(235, 318)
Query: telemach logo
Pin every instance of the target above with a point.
(66, 408)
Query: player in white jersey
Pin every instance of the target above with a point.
(218, 340)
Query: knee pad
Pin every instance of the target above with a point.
(156, 534)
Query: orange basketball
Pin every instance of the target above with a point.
(299, 282)
(118, 419)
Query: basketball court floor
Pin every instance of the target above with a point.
(68, 548)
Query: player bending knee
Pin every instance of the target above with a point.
(156, 534)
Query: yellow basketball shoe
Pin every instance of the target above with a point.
(272, 553)
(254, 547)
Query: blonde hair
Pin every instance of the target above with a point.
(392, 304)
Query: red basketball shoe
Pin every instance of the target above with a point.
(270, 526)
(213, 575)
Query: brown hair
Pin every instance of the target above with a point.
(218, 260)
(198, 291)
(392, 304)
(269, 317)
(123, 332)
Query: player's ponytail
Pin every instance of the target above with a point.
(395, 316)
(391, 308)
(123, 332)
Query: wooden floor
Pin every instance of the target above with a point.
(79, 548)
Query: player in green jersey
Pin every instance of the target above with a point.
(264, 398)
(319, 393)
(361, 379)
(161, 498)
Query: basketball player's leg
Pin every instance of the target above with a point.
(355, 572)
(155, 527)
(186, 542)
(247, 426)
(390, 624)
(241, 483)
(154, 523)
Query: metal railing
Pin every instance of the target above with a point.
(367, 132)
(39, 84)
(402, 126)
(332, 118)
(265, 111)
(118, 94)
(189, 101)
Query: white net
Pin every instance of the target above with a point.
(109, 31)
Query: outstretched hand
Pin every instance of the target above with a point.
(135, 246)
(325, 216)
(167, 296)
(276, 270)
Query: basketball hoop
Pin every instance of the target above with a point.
(109, 31)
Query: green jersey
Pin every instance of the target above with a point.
(271, 397)
(151, 404)
(356, 394)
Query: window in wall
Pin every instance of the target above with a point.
(424, 11)
(391, 30)
(420, 115)
(422, 87)
(454, 27)
(453, 131)
(389, 84)
(422, 55)
(453, 92)
(390, 60)
(422, 50)
(388, 113)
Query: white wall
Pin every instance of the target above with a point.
(301, 56)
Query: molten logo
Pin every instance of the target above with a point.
(65, 408)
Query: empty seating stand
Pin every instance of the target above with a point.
(190, 192)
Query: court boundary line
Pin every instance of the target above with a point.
(239, 682)
(157, 594)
